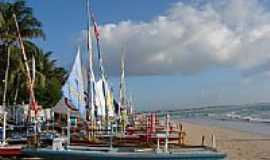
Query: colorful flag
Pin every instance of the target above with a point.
(96, 31)
(109, 100)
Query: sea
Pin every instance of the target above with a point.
(253, 118)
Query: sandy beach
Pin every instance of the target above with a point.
(236, 144)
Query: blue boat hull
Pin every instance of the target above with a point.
(101, 155)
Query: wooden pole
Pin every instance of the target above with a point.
(6, 79)
(158, 147)
(4, 129)
(111, 137)
(167, 132)
(203, 141)
(68, 128)
(29, 78)
(214, 145)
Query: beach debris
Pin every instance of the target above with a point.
(181, 135)
(203, 141)
(213, 137)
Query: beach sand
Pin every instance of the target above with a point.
(236, 144)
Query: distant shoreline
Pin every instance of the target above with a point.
(204, 108)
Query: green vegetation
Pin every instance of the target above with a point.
(49, 77)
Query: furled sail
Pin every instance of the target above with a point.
(73, 89)
(122, 85)
(100, 99)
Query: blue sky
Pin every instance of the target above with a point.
(63, 20)
(179, 53)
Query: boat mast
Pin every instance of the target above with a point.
(6, 80)
(101, 68)
(68, 127)
(74, 86)
(131, 105)
(91, 76)
(15, 100)
(122, 89)
(4, 127)
(30, 79)
(167, 121)
(3, 109)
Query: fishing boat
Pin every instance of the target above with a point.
(59, 151)
(10, 151)
(7, 150)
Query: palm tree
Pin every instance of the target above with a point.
(49, 77)
(30, 27)
(1, 19)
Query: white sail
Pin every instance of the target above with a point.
(101, 111)
(73, 89)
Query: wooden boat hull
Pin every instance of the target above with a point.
(10, 151)
(110, 155)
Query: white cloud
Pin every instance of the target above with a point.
(190, 38)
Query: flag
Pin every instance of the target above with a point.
(96, 31)
(109, 100)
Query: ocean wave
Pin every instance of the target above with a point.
(236, 116)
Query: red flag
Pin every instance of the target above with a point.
(96, 31)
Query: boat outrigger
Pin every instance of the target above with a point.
(182, 154)
(144, 150)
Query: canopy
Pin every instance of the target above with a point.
(61, 108)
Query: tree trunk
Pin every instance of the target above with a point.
(6, 78)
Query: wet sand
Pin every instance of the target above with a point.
(236, 144)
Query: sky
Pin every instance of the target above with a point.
(179, 53)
